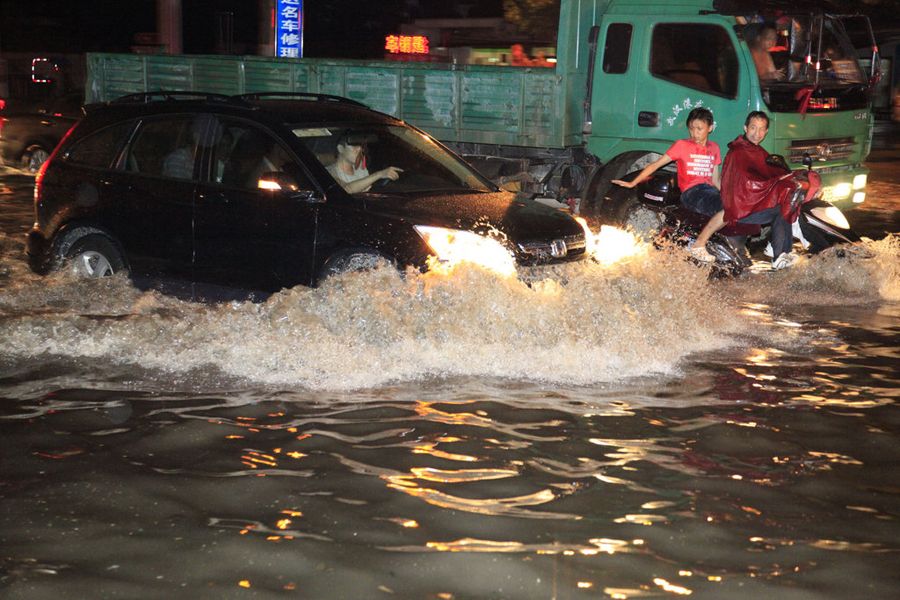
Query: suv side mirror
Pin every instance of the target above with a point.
(278, 181)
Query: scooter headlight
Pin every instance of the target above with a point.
(831, 215)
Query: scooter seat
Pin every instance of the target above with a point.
(740, 229)
(698, 221)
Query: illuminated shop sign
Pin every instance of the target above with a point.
(41, 69)
(289, 28)
(406, 44)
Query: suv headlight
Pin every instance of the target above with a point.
(453, 246)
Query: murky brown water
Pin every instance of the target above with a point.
(625, 431)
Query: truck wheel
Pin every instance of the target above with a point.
(95, 256)
(600, 181)
(644, 221)
(34, 157)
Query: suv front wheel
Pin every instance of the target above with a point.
(95, 256)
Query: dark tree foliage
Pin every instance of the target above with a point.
(539, 18)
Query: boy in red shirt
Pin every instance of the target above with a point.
(698, 161)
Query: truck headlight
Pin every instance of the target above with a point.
(453, 246)
(859, 182)
(841, 190)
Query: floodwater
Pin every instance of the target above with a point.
(631, 430)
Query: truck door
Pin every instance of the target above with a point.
(685, 65)
(613, 95)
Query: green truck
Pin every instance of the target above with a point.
(627, 73)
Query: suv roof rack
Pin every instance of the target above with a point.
(298, 96)
(175, 95)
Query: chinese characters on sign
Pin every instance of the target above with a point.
(289, 28)
(406, 44)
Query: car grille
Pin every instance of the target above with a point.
(546, 251)
(824, 149)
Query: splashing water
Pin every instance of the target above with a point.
(577, 323)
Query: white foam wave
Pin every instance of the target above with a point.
(577, 324)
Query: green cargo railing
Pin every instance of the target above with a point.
(456, 103)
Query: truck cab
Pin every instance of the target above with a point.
(654, 63)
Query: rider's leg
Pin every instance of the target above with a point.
(781, 235)
(703, 199)
(716, 223)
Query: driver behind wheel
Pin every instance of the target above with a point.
(350, 167)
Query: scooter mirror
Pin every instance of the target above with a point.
(807, 160)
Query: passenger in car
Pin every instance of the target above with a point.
(179, 163)
(350, 167)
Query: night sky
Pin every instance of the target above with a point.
(348, 28)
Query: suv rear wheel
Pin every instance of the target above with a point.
(95, 256)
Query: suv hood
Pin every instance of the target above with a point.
(521, 220)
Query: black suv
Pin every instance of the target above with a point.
(243, 191)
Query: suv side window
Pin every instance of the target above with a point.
(694, 55)
(167, 147)
(242, 153)
(100, 148)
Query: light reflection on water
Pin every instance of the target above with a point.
(767, 465)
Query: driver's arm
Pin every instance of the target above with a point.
(364, 183)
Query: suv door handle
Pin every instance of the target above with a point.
(648, 119)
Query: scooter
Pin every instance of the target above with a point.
(653, 209)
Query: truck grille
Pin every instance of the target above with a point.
(825, 149)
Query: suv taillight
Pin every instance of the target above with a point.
(38, 181)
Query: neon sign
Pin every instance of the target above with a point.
(289, 28)
(406, 44)
(39, 68)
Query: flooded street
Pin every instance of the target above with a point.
(630, 430)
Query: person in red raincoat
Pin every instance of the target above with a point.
(756, 192)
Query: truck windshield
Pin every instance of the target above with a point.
(804, 50)
(420, 165)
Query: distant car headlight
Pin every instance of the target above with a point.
(453, 246)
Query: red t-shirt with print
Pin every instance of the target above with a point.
(696, 163)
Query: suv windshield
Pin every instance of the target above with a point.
(407, 160)
(805, 50)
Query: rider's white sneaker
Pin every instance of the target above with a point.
(700, 253)
(784, 260)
